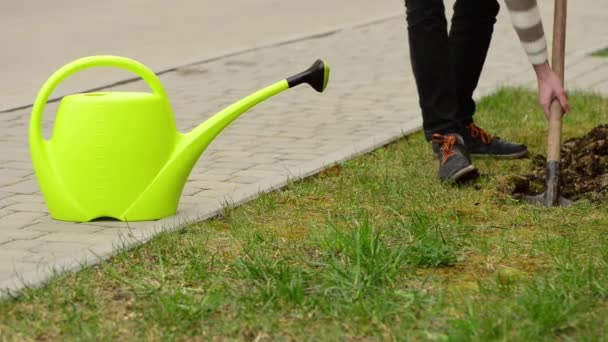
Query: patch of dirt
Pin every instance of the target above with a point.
(584, 169)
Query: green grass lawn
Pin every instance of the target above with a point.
(375, 247)
(601, 53)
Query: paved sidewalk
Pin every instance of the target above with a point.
(370, 101)
(164, 34)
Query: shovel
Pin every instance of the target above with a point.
(551, 196)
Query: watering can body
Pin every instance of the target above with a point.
(106, 149)
(118, 154)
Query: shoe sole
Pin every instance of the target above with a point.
(466, 173)
(500, 156)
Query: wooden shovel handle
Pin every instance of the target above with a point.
(559, 49)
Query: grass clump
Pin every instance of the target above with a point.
(601, 53)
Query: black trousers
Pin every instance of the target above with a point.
(447, 65)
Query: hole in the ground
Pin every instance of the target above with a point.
(584, 169)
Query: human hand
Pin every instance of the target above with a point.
(549, 88)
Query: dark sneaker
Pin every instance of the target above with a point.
(454, 162)
(481, 143)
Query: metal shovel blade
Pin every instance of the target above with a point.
(551, 196)
(543, 199)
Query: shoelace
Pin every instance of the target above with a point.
(447, 145)
(478, 132)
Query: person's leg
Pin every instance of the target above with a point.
(469, 40)
(430, 61)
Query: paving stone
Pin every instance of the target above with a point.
(7, 180)
(63, 227)
(59, 247)
(190, 191)
(14, 269)
(244, 179)
(9, 256)
(27, 198)
(22, 244)
(4, 194)
(8, 233)
(16, 173)
(218, 171)
(17, 162)
(208, 177)
(210, 185)
(84, 238)
(28, 206)
(229, 163)
(212, 193)
(4, 239)
(5, 202)
(19, 219)
(29, 186)
(255, 173)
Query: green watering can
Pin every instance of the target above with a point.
(118, 154)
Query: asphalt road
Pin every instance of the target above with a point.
(38, 37)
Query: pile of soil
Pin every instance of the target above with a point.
(584, 169)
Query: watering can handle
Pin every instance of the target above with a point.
(80, 64)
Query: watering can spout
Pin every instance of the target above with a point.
(196, 141)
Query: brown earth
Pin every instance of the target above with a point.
(584, 169)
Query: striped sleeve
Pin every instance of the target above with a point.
(525, 17)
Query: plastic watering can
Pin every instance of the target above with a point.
(118, 154)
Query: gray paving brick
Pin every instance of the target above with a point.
(7, 180)
(244, 179)
(230, 162)
(211, 193)
(9, 256)
(22, 244)
(15, 269)
(255, 173)
(197, 176)
(302, 156)
(211, 185)
(19, 219)
(28, 206)
(84, 238)
(20, 234)
(190, 191)
(5, 202)
(4, 239)
(16, 173)
(63, 227)
(59, 248)
(29, 186)
(27, 198)
(213, 171)
(16, 162)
